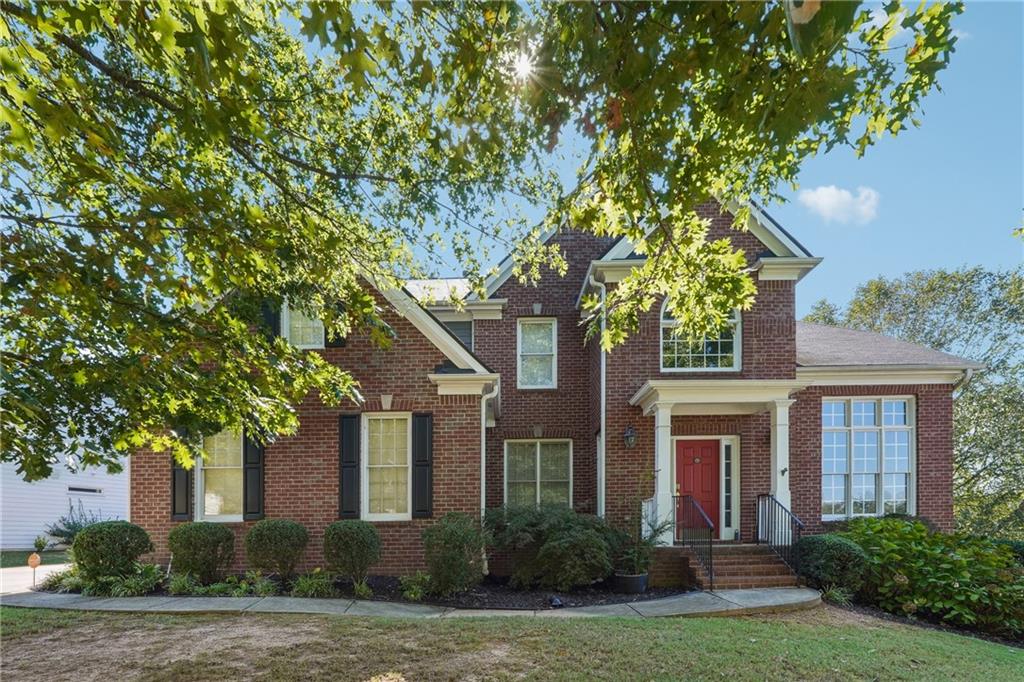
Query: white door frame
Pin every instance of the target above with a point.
(725, 532)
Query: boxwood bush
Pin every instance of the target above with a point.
(202, 549)
(109, 548)
(553, 547)
(276, 546)
(828, 561)
(351, 548)
(970, 582)
(454, 549)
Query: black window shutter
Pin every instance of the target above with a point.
(181, 492)
(422, 466)
(252, 480)
(348, 466)
(271, 318)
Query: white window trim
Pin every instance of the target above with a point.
(910, 428)
(519, 352)
(364, 466)
(286, 330)
(200, 485)
(724, 532)
(737, 346)
(537, 442)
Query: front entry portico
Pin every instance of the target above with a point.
(664, 398)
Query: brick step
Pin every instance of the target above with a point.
(753, 559)
(751, 570)
(746, 582)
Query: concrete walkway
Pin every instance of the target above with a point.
(720, 603)
(19, 578)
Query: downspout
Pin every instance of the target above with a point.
(483, 446)
(965, 379)
(603, 435)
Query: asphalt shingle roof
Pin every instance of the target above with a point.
(819, 345)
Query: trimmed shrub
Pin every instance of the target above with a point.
(553, 547)
(202, 549)
(454, 549)
(970, 582)
(276, 545)
(351, 548)
(828, 561)
(109, 548)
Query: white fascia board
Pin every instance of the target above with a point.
(464, 384)
(486, 309)
(435, 332)
(753, 393)
(788, 268)
(609, 272)
(880, 375)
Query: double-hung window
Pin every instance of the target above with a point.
(708, 354)
(538, 472)
(867, 462)
(387, 450)
(219, 479)
(538, 353)
(301, 330)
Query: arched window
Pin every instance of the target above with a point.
(720, 354)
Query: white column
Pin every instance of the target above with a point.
(780, 450)
(663, 484)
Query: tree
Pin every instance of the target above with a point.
(976, 314)
(170, 169)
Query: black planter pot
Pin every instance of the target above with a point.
(630, 584)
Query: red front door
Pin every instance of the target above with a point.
(697, 474)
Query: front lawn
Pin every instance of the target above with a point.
(821, 644)
(9, 558)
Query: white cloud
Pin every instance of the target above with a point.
(961, 34)
(835, 204)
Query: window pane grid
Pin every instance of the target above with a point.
(538, 472)
(387, 462)
(537, 353)
(706, 353)
(303, 330)
(866, 455)
(222, 475)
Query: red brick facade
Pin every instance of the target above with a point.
(301, 472)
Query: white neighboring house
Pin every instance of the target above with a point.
(26, 509)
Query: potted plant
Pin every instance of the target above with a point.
(635, 556)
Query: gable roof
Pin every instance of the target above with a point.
(437, 290)
(767, 230)
(819, 345)
(435, 332)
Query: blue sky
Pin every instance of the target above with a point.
(943, 195)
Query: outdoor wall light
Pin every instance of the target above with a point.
(629, 436)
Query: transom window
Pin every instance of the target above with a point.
(866, 457)
(219, 479)
(301, 330)
(538, 353)
(538, 472)
(680, 354)
(387, 487)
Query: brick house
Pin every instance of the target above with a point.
(504, 402)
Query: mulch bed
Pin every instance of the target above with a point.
(495, 593)
(928, 624)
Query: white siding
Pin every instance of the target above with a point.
(26, 509)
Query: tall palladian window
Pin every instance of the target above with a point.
(867, 457)
(219, 478)
(709, 354)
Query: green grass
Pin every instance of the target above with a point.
(10, 558)
(824, 644)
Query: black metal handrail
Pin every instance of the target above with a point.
(778, 528)
(693, 529)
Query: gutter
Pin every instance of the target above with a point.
(602, 436)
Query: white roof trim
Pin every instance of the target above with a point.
(880, 375)
(435, 332)
(791, 268)
(759, 225)
(713, 396)
(463, 384)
